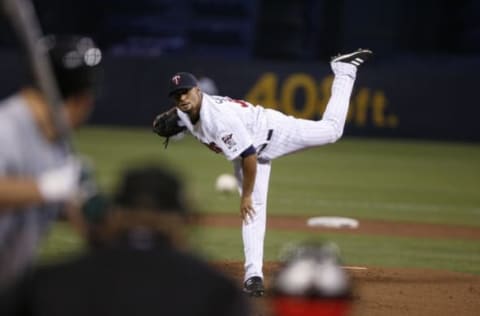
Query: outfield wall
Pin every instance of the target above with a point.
(433, 98)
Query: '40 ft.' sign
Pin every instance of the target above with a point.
(367, 107)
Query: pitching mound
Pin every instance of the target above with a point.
(392, 292)
(377, 290)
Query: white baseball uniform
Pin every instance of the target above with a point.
(231, 126)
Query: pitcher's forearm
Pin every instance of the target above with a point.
(249, 168)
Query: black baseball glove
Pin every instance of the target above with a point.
(166, 124)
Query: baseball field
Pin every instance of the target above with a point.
(416, 250)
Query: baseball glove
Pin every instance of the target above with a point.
(166, 124)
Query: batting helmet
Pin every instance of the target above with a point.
(76, 63)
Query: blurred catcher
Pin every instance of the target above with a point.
(38, 174)
(312, 282)
(137, 263)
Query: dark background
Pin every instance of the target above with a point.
(426, 63)
(269, 29)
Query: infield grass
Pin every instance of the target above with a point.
(381, 251)
(431, 182)
(396, 180)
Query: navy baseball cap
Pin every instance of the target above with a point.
(181, 80)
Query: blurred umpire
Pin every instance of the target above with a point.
(38, 175)
(137, 264)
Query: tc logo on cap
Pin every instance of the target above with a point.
(176, 79)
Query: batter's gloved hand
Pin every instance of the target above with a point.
(73, 181)
(61, 183)
(166, 124)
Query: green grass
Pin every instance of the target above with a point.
(393, 180)
(385, 251)
(430, 182)
(61, 242)
(420, 181)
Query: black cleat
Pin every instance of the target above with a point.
(254, 286)
(356, 58)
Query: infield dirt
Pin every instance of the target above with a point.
(378, 290)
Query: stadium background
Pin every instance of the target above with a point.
(421, 83)
(409, 157)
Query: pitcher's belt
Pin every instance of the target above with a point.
(263, 146)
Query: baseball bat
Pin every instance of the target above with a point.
(23, 18)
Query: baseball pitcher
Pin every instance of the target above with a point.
(251, 136)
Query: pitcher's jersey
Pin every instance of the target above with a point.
(228, 126)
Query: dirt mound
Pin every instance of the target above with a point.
(382, 291)
(392, 292)
(370, 227)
